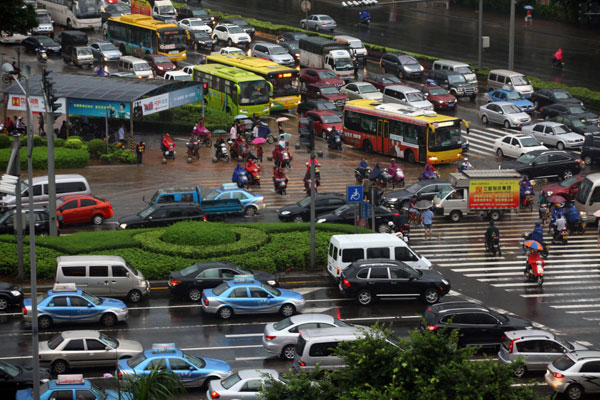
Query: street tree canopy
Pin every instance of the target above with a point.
(17, 17)
(426, 366)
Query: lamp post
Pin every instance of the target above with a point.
(511, 37)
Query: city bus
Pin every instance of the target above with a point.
(234, 90)
(403, 131)
(77, 14)
(286, 92)
(139, 35)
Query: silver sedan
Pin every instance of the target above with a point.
(318, 22)
(555, 134)
(361, 90)
(503, 113)
(242, 385)
(281, 337)
(84, 349)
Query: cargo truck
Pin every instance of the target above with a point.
(318, 52)
(158, 9)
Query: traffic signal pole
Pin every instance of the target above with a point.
(50, 105)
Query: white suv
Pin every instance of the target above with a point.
(232, 34)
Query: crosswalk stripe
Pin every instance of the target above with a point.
(533, 284)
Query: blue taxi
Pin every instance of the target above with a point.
(193, 371)
(69, 387)
(512, 96)
(251, 202)
(245, 295)
(66, 303)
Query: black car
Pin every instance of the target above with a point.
(402, 65)
(577, 124)
(291, 46)
(546, 164)
(41, 221)
(249, 29)
(13, 378)
(347, 213)
(368, 280)
(162, 215)
(454, 83)
(10, 295)
(115, 10)
(553, 110)
(544, 97)
(300, 212)
(424, 190)
(476, 324)
(290, 36)
(193, 12)
(201, 41)
(317, 104)
(190, 281)
(33, 42)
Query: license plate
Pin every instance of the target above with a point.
(90, 26)
(450, 105)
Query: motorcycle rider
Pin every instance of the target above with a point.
(331, 138)
(192, 145)
(401, 221)
(251, 166)
(429, 172)
(237, 173)
(490, 234)
(362, 166)
(278, 174)
(532, 259)
(556, 211)
(537, 234)
(558, 57)
(525, 187)
(167, 143)
(465, 165)
(375, 173)
(392, 167)
(559, 225)
(364, 15)
(307, 185)
(572, 216)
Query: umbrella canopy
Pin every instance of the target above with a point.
(423, 204)
(528, 7)
(286, 136)
(259, 140)
(218, 132)
(240, 116)
(597, 213)
(282, 119)
(532, 244)
(556, 199)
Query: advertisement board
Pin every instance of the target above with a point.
(141, 7)
(16, 102)
(185, 96)
(97, 108)
(494, 193)
(151, 105)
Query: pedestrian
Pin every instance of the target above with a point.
(255, 131)
(122, 135)
(427, 221)
(598, 235)
(529, 18)
(233, 132)
(259, 152)
(62, 132)
(41, 124)
(280, 128)
(140, 147)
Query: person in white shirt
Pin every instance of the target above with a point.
(233, 132)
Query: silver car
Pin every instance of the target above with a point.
(244, 384)
(105, 51)
(281, 337)
(503, 113)
(555, 134)
(361, 90)
(318, 22)
(273, 52)
(84, 349)
(575, 373)
(195, 25)
(536, 347)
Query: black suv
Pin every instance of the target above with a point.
(190, 281)
(424, 190)
(455, 83)
(476, 324)
(546, 97)
(300, 212)
(390, 279)
(546, 164)
(193, 12)
(402, 65)
(41, 221)
(577, 125)
(162, 215)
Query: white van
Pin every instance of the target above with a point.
(356, 46)
(497, 78)
(137, 66)
(65, 184)
(105, 276)
(458, 67)
(406, 95)
(345, 249)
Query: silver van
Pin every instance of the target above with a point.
(458, 67)
(406, 95)
(317, 346)
(106, 276)
(137, 66)
(500, 77)
(65, 184)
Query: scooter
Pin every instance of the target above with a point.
(42, 55)
(400, 232)
(241, 179)
(168, 151)
(557, 63)
(307, 185)
(361, 174)
(535, 273)
(193, 150)
(398, 178)
(528, 199)
(254, 175)
(280, 185)
(285, 159)
(334, 141)
(384, 179)
(562, 236)
(494, 246)
(544, 213)
(221, 153)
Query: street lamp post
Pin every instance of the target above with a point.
(511, 37)
(480, 35)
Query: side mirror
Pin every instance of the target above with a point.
(191, 368)
(533, 163)
(90, 305)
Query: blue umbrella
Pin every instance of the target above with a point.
(240, 116)
(528, 7)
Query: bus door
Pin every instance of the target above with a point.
(383, 136)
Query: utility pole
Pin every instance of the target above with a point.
(313, 218)
(480, 35)
(511, 37)
(51, 106)
(19, 206)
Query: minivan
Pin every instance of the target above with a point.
(406, 95)
(65, 184)
(356, 46)
(500, 77)
(458, 67)
(590, 152)
(345, 249)
(317, 346)
(106, 276)
(136, 65)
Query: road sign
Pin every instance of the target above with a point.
(366, 211)
(354, 194)
(305, 6)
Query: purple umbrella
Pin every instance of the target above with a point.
(258, 140)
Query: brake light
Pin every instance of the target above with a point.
(206, 302)
(24, 310)
(338, 270)
(346, 283)
(432, 328)
(120, 374)
(541, 109)
(511, 346)
(302, 364)
(270, 337)
(558, 375)
(214, 395)
(174, 283)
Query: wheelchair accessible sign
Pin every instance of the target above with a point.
(354, 194)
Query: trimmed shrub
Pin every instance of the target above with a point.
(75, 137)
(96, 147)
(73, 143)
(59, 142)
(5, 141)
(39, 141)
(64, 158)
(194, 233)
(45, 260)
(85, 242)
(125, 156)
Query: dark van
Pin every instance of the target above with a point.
(590, 152)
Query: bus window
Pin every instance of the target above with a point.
(255, 92)
(352, 120)
(595, 196)
(368, 124)
(412, 134)
(444, 138)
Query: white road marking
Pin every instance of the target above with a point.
(244, 335)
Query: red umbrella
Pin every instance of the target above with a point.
(556, 199)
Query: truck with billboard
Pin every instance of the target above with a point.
(587, 199)
(319, 52)
(484, 192)
(158, 9)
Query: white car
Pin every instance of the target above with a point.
(195, 25)
(177, 76)
(516, 145)
(503, 113)
(232, 34)
(229, 50)
(361, 90)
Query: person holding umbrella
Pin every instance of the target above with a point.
(529, 16)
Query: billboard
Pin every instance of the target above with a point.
(141, 7)
(185, 96)
(97, 108)
(151, 105)
(494, 193)
(16, 102)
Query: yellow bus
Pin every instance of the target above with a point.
(139, 35)
(403, 131)
(286, 93)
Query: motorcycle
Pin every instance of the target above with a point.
(557, 63)
(307, 185)
(204, 140)
(254, 175)
(280, 185)
(241, 179)
(365, 20)
(335, 141)
(361, 174)
(563, 236)
(193, 148)
(528, 200)
(493, 246)
(577, 228)
(384, 179)
(401, 233)
(544, 212)
(285, 159)
(543, 253)
(168, 151)
(42, 55)
(241, 152)
(398, 178)
(221, 153)
(537, 274)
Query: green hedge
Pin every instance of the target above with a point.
(45, 260)
(64, 158)
(196, 233)
(5, 141)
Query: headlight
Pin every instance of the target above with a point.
(285, 213)
(441, 101)
(549, 193)
(123, 309)
(123, 226)
(160, 68)
(321, 220)
(460, 90)
(420, 66)
(105, 58)
(143, 283)
(581, 102)
(15, 293)
(445, 282)
(392, 200)
(272, 283)
(328, 129)
(582, 213)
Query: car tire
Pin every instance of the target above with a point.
(250, 211)
(567, 174)
(520, 371)
(574, 392)
(560, 146)
(431, 296)
(44, 322)
(3, 303)
(495, 215)
(587, 160)
(367, 147)
(134, 296)
(484, 119)
(229, 42)
(108, 319)
(225, 312)
(302, 25)
(287, 310)
(455, 216)
(194, 294)
(298, 218)
(500, 153)
(288, 352)
(98, 219)
(59, 367)
(507, 124)
(364, 297)
(317, 28)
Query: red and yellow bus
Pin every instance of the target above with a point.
(403, 131)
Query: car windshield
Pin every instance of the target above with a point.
(514, 96)
(47, 41)
(341, 324)
(329, 90)
(331, 119)
(112, 342)
(304, 203)
(561, 94)
(254, 92)
(343, 209)
(456, 79)
(161, 59)
(166, 10)
(568, 182)
(197, 23)
(107, 46)
(561, 130)
(192, 269)
(212, 195)
(235, 29)
(10, 369)
(326, 74)
(526, 158)
(438, 92)
(135, 360)
(55, 341)
(463, 70)
(141, 67)
(368, 89)
(195, 361)
(199, 13)
(98, 392)
(415, 96)
(84, 52)
(413, 188)
(577, 123)
(220, 289)
(298, 36)
(576, 110)
(511, 109)
(343, 63)
(270, 289)
(326, 105)
(277, 50)
(519, 81)
(565, 344)
(44, 19)
(407, 60)
(444, 192)
(145, 213)
(530, 142)
(91, 298)
(230, 381)
(390, 79)
(355, 44)
(284, 323)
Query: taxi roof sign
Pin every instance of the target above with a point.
(243, 278)
(164, 348)
(228, 186)
(72, 379)
(64, 287)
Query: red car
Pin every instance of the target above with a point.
(322, 122)
(82, 209)
(314, 75)
(567, 188)
(382, 80)
(438, 96)
(321, 90)
(159, 64)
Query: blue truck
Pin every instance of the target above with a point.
(192, 194)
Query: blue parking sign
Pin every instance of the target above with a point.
(354, 194)
(366, 211)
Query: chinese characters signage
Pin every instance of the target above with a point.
(494, 193)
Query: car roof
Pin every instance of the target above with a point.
(338, 332)
(321, 84)
(321, 112)
(216, 264)
(253, 283)
(64, 292)
(505, 72)
(80, 334)
(257, 373)
(502, 103)
(583, 354)
(549, 123)
(303, 318)
(452, 62)
(150, 354)
(362, 83)
(529, 334)
(366, 238)
(77, 196)
(457, 306)
(267, 44)
(61, 177)
(376, 262)
(85, 259)
(402, 88)
(177, 204)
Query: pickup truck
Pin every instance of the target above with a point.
(193, 194)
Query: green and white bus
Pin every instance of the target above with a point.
(234, 90)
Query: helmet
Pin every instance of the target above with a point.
(167, 134)
(465, 159)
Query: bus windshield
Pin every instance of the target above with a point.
(172, 40)
(445, 137)
(254, 92)
(286, 85)
(86, 9)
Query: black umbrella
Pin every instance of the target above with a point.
(423, 204)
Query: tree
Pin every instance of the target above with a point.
(426, 366)
(17, 17)
(159, 384)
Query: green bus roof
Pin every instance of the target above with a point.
(229, 73)
(254, 64)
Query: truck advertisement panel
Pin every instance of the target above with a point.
(494, 193)
(141, 7)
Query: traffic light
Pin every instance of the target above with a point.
(47, 85)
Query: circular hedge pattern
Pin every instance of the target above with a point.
(196, 233)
